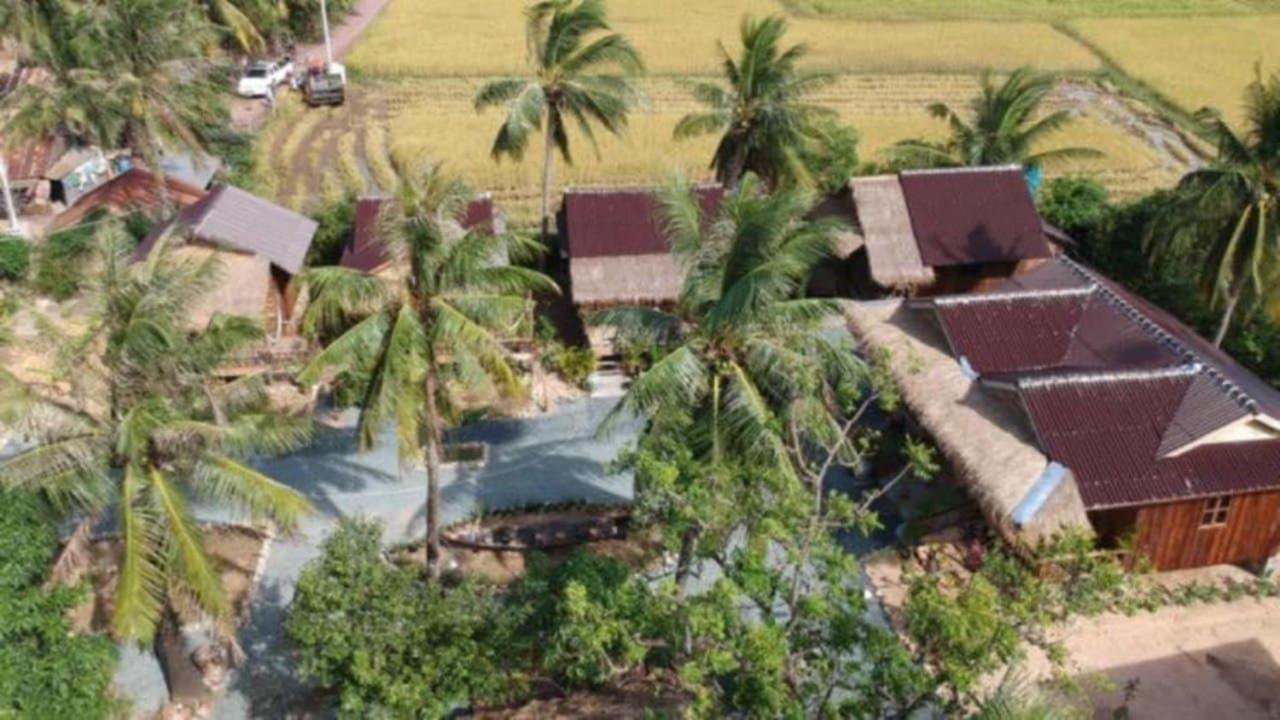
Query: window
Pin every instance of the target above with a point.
(1215, 511)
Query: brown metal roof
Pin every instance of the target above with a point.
(1107, 428)
(233, 218)
(973, 215)
(1117, 390)
(366, 251)
(609, 222)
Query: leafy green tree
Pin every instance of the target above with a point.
(1004, 124)
(437, 325)
(129, 421)
(760, 108)
(580, 77)
(46, 670)
(402, 647)
(1232, 208)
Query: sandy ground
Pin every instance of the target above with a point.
(1218, 660)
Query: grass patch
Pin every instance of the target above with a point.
(1193, 61)
(486, 37)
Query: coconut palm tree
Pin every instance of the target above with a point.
(1003, 124)
(749, 362)
(580, 76)
(130, 75)
(760, 108)
(438, 326)
(234, 19)
(1230, 210)
(129, 426)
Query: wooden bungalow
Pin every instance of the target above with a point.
(929, 232)
(1062, 399)
(616, 250)
(262, 245)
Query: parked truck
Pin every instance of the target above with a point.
(325, 84)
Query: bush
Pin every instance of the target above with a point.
(574, 364)
(15, 258)
(390, 643)
(45, 670)
(1076, 204)
(337, 221)
(60, 261)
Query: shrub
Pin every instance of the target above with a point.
(60, 261)
(390, 643)
(15, 258)
(45, 670)
(337, 221)
(574, 364)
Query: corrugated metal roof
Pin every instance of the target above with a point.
(239, 220)
(973, 215)
(131, 190)
(1012, 334)
(1108, 428)
(610, 222)
(366, 252)
(32, 160)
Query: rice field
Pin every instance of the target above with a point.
(449, 38)
(1196, 62)
(1024, 9)
(350, 149)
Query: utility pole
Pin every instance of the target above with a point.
(12, 210)
(328, 44)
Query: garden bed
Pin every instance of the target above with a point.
(541, 529)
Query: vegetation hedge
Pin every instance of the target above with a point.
(46, 671)
(60, 262)
(15, 258)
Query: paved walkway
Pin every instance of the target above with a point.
(547, 459)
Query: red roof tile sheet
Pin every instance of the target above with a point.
(366, 252)
(1108, 429)
(132, 190)
(973, 215)
(610, 222)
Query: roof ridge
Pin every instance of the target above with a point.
(1152, 328)
(1080, 377)
(1009, 295)
(962, 169)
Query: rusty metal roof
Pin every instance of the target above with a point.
(962, 216)
(609, 222)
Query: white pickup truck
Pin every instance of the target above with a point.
(260, 76)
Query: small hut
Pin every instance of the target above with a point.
(928, 232)
(263, 247)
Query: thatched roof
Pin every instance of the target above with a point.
(626, 279)
(892, 251)
(988, 443)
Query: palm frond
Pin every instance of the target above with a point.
(220, 478)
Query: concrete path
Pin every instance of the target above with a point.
(553, 458)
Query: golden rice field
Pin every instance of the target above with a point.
(458, 38)
(1195, 61)
(1025, 9)
(349, 149)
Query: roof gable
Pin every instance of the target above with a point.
(605, 222)
(962, 216)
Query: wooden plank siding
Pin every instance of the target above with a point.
(1172, 538)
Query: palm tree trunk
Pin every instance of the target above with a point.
(431, 450)
(684, 561)
(548, 159)
(1225, 323)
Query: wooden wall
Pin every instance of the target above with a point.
(1171, 536)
